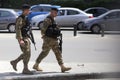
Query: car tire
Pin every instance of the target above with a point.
(11, 28)
(96, 29)
(80, 26)
(40, 25)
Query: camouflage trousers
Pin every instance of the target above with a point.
(48, 44)
(25, 56)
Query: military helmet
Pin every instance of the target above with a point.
(25, 6)
(55, 9)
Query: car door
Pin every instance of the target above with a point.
(72, 17)
(118, 22)
(60, 19)
(111, 21)
(4, 19)
(69, 18)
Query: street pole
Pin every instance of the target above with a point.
(102, 30)
(75, 30)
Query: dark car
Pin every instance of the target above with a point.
(110, 21)
(96, 11)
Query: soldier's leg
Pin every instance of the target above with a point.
(43, 54)
(45, 50)
(57, 52)
(58, 55)
(26, 56)
(14, 62)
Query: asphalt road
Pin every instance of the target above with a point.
(84, 48)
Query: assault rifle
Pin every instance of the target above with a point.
(60, 42)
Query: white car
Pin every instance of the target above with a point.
(37, 21)
(67, 17)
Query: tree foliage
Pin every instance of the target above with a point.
(82, 4)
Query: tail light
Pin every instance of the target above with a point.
(90, 16)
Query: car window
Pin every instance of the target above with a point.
(5, 14)
(93, 11)
(41, 9)
(61, 13)
(36, 9)
(46, 8)
(72, 12)
(112, 15)
(101, 11)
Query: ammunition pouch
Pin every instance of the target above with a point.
(25, 31)
(53, 31)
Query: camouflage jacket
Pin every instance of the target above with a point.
(46, 23)
(20, 22)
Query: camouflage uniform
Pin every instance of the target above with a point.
(25, 56)
(25, 49)
(48, 44)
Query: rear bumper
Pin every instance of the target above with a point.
(86, 26)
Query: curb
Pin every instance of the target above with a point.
(63, 76)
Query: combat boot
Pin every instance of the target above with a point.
(26, 71)
(63, 68)
(37, 68)
(14, 65)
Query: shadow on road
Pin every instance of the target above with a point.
(85, 32)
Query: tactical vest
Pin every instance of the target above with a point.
(52, 30)
(25, 29)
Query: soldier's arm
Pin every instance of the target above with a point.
(58, 27)
(19, 25)
(46, 23)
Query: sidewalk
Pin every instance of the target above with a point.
(52, 71)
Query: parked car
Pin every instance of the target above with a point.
(110, 21)
(96, 11)
(67, 17)
(43, 7)
(7, 19)
(39, 10)
(37, 21)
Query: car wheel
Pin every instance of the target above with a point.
(80, 26)
(11, 28)
(96, 29)
(40, 25)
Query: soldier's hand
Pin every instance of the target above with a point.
(22, 43)
(43, 36)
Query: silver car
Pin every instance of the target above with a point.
(67, 17)
(110, 21)
(7, 19)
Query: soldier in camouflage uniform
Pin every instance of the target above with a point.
(23, 41)
(50, 43)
